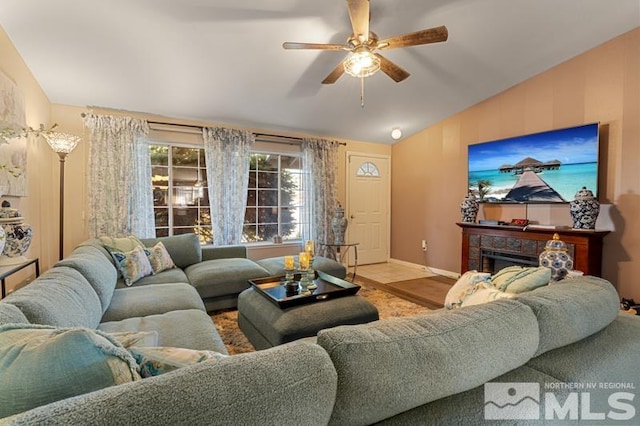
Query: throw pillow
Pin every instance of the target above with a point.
(121, 243)
(130, 339)
(159, 258)
(133, 265)
(485, 295)
(518, 279)
(41, 364)
(160, 360)
(463, 287)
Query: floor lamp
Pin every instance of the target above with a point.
(62, 144)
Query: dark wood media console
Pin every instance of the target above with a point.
(484, 245)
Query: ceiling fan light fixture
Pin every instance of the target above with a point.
(361, 63)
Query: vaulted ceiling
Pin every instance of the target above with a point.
(223, 61)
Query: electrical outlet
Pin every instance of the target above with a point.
(424, 245)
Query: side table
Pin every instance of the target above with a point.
(8, 270)
(334, 251)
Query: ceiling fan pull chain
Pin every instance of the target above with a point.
(362, 92)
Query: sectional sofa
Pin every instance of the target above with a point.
(558, 343)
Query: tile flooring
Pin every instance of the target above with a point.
(390, 272)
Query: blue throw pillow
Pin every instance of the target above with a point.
(41, 364)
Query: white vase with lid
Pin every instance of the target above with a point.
(16, 236)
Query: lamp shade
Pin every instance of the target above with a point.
(62, 143)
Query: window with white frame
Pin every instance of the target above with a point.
(180, 195)
(274, 198)
(181, 203)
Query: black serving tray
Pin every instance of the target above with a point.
(329, 287)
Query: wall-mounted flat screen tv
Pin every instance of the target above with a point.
(547, 167)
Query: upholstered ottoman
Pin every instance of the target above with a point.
(266, 325)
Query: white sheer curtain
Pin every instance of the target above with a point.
(227, 153)
(320, 161)
(119, 177)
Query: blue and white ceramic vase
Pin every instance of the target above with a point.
(556, 257)
(584, 210)
(339, 225)
(469, 208)
(17, 236)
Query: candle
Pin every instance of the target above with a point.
(289, 262)
(310, 248)
(304, 260)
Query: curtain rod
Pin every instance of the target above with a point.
(292, 138)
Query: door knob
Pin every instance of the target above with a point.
(352, 217)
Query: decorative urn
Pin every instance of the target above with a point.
(556, 257)
(584, 209)
(469, 208)
(17, 235)
(339, 225)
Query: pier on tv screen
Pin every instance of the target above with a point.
(547, 167)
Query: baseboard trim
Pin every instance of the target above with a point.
(433, 270)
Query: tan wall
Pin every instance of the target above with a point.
(42, 165)
(429, 174)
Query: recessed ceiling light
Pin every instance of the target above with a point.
(396, 133)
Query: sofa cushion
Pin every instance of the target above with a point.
(184, 249)
(133, 264)
(220, 277)
(611, 355)
(100, 273)
(190, 328)
(387, 367)
(159, 360)
(151, 300)
(571, 309)
(258, 388)
(11, 314)
(61, 297)
(42, 364)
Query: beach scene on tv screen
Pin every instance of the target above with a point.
(546, 167)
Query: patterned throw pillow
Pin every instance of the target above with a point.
(160, 360)
(465, 286)
(159, 258)
(133, 265)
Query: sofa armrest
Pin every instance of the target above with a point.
(223, 252)
(293, 384)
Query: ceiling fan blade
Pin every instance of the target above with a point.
(335, 74)
(359, 15)
(432, 35)
(392, 70)
(318, 46)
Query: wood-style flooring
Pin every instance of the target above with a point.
(408, 283)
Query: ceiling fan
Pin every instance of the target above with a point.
(362, 60)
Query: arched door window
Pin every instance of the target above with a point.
(368, 169)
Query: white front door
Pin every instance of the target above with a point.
(368, 198)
